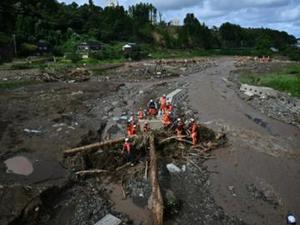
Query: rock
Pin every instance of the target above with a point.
(172, 168)
(109, 220)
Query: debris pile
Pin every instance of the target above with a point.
(273, 103)
(71, 76)
(158, 69)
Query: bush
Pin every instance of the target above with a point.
(28, 49)
(58, 51)
(74, 57)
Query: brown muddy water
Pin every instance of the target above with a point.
(19, 165)
(137, 214)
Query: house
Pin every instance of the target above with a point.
(130, 50)
(85, 49)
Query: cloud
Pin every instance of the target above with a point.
(276, 14)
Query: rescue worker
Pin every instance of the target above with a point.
(179, 128)
(166, 119)
(169, 106)
(194, 131)
(146, 127)
(131, 130)
(163, 103)
(152, 108)
(127, 150)
(131, 118)
(141, 114)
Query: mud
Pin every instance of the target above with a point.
(252, 180)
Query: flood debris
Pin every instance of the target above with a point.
(70, 76)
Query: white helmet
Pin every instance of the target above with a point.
(164, 95)
(291, 219)
(151, 100)
(178, 119)
(126, 139)
(192, 120)
(134, 125)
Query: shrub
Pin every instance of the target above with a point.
(28, 49)
(74, 57)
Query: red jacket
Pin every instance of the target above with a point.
(127, 147)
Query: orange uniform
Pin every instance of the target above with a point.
(141, 115)
(163, 103)
(169, 107)
(127, 147)
(166, 119)
(194, 133)
(131, 130)
(179, 129)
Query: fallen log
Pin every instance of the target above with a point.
(123, 166)
(171, 138)
(90, 172)
(94, 146)
(156, 196)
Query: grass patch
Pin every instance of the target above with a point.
(287, 80)
(8, 85)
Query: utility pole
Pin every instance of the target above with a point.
(15, 44)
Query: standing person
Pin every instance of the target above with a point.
(127, 150)
(166, 119)
(179, 128)
(152, 108)
(194, 131)
(169, 107)
(163, 103)
(141, 114)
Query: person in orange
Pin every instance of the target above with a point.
(163, 103)
(152, 108)
(166, 119)
(131, 130)
(127, 150)
(179, 128)
(169, 106)
(194, 132)
(146, 127)
(141, 114)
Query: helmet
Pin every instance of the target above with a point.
(178, 119)
(192, 120)
(126, 139)
(164, 95)
(134, 125)
(291, 219)
(151, 100)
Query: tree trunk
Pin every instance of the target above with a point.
(156, 196)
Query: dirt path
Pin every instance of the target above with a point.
(256, 178)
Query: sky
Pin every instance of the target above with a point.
(276, 14)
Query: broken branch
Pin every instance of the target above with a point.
(92, 146)
(90, 172)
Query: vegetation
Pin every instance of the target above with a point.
(287, 80)
(33, 20)
(17, 84)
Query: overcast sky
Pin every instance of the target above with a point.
(277, 14)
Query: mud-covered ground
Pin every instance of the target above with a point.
(253, 180)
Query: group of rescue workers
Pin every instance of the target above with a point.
(165, 109)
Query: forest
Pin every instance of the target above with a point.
(26, 22)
